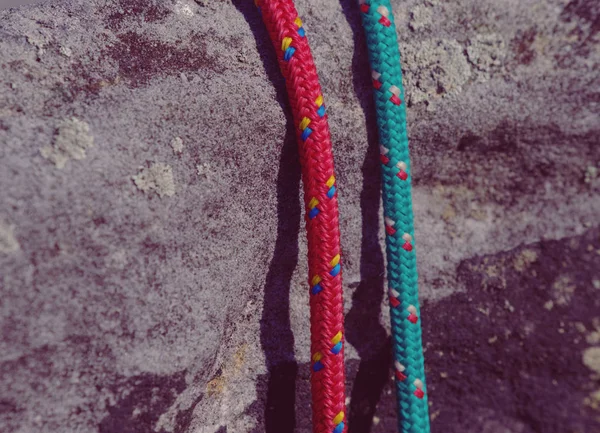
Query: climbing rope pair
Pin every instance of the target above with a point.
(288, 35)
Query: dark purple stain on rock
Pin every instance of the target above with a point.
(522, 46)
(85, 81)
(499, 354)
(143, 399)
(502, 139)
(146, 11)
(7, 406)
(586, 13)
(513, 157)
(11, 415)
(584, 10)
(468, 141)
(140, 58)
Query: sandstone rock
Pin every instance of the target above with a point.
(127, 311)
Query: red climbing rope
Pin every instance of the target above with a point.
(316, 158)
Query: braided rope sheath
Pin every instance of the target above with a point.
(320, 197)
(378, 21)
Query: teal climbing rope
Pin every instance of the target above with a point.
(384, 56)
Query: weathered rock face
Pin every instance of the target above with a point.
(152, 251)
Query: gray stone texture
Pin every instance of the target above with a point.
(152, 247)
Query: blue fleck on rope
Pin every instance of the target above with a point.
(384, 56)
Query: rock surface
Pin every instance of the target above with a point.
(152, 250)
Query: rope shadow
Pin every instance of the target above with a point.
(276, 337)
(363, 329)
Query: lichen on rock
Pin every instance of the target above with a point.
(434, 68)
(8, 241)
(487, 51)
(420, 17)
(591, 358)
(72, 141)
(177, 144)
(157, 178)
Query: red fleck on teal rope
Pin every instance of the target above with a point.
(287, 33)
(411, 393)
